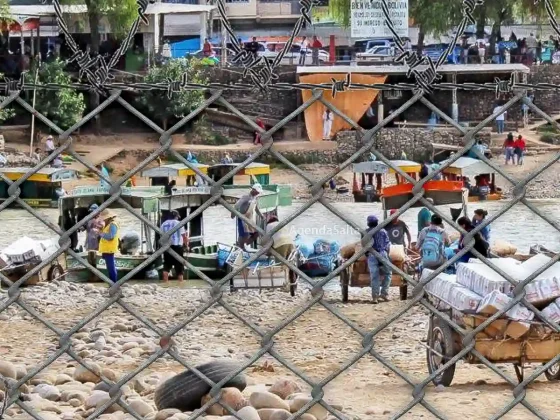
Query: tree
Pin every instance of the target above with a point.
(64, 107)
(119, 13)
(431, 16)
(157, 103)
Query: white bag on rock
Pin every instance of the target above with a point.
(552, 312)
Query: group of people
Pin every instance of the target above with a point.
(433, 245)
(514, 149)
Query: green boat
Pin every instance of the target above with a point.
(155, 206)
(75, 206)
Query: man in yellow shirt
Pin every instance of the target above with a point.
(109, 242)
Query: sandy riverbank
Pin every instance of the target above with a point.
(316, 342)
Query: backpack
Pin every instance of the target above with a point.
(432, 248)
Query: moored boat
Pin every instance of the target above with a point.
(464, 169)
(41, 189)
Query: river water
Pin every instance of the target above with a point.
(519, 226)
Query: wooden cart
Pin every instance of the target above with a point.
(265, 273)
(53, 271)
(357, 275)
(534, 343)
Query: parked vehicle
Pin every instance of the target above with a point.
(379, 53)
(364, 45)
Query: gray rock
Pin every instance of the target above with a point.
(48, 392)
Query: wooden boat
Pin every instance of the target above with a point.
(475, 169)
(75, 206)
(256, 172)
(162, 175)
(365, 191)
(40, 188)
(396, 196)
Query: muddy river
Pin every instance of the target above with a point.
(519, 226)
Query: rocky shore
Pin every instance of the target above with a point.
(115, 344)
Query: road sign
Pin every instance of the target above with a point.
(368, 21)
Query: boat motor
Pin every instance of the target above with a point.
(129, 243)
(370, 193)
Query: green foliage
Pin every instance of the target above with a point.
(119, 13)
(64, 107)
(181, 103)
(203, 134)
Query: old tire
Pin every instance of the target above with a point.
(440, 338)
(553, 372)
(185, 390)
(344, 283)
(55, 272)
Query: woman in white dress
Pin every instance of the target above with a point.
(328, 118)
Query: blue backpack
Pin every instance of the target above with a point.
(433, 248)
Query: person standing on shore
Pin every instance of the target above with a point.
(247, 206)
(109, 243)
(328, 118)
(49, 145)
(424, 217)
(379, 271)
(178, 241)
(303, 51)
(500, 119)
(397, 231)
(478, 218)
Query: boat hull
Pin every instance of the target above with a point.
(125, 264)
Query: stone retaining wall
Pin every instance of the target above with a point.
(391, 142)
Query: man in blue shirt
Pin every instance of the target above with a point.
(379, 271)
(178, 240)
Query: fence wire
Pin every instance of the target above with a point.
(419, 297)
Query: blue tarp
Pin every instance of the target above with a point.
(187, 46)
(319, 257)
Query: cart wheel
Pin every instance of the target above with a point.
(440, 339)
(344, 280)
(553, 372)
(293, 282)
(55, 272)
(403, 291)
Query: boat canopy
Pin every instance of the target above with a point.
(257, 172)
(466, 166)
(42, 175)
(174, 170)
(378, 167)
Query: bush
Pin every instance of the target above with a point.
(65, 107)
(157, 103)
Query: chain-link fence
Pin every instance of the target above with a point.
(73, 378)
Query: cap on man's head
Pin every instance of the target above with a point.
(372, 219)
(93, 207)
(257, 187)
(393, 211)
(430, 200)
(175, 214)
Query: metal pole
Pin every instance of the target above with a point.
(33, 115)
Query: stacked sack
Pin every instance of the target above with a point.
(478, 289)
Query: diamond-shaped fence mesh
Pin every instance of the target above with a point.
(70, 350)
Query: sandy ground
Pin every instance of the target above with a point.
(317, 343)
